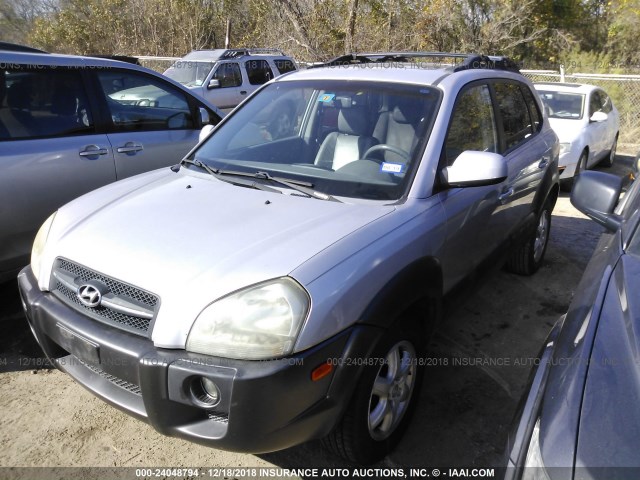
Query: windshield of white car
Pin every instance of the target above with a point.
(563, 105)
(190, 73)
(345, 138)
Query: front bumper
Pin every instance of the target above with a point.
(264, 405)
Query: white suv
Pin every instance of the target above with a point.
(226, 77)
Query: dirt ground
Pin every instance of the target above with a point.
(47, 420)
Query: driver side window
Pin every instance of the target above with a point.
(229, 75)
(473, 125)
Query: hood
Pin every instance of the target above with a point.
(191, 239)
(609, 433)
(567, 129)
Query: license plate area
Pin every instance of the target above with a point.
(77, 345)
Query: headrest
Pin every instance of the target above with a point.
(18, 96)
(64, 103)
(405, 112)
(352, 121)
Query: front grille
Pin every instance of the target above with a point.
(131, 387)
(77, 275)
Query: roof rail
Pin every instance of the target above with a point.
(469, 61)
(240, 52)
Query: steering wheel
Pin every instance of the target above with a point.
(385, 147)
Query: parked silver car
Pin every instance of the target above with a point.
(274, 289)
(67, 127)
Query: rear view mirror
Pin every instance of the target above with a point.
(599, 117)
(204, 116)
(473, 169)
(204, 133)
(213, 83)
(596, 194)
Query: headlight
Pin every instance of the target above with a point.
(565, 147)
(39, 243)
(260, 322)
(534, 467)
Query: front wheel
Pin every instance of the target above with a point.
(527, 259)
(608, 160)
(383, 401)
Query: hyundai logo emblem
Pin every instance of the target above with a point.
(89, 295)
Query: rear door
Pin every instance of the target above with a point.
(527, 153)
(150, 123)
(50, 151)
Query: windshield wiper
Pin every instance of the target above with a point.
(299, 186)
(219, 175)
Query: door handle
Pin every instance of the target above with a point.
(243, 92)
(506, 194)
(92, 150)
(544, 162)
(130, 147)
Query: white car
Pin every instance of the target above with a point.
(586, 122)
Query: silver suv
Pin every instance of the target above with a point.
(68, 126)
(274, 288)
(227, 77)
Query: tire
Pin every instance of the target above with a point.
(528, 257)
(567, 184)
(384, 398)
(607, 162)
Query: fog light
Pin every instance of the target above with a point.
(205, 392)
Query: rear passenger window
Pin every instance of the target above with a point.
(43, 102)
(516, 123)
(473, 125)
(258, 72)
(141, 102)
(284, 66)
(536, 116)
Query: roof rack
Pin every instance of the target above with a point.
(240, 52)
(469, 61)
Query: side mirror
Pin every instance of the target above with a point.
(596, 194)
(599, 117)
(474, 169)
(204, 116)
(213, 83)
(204, 133)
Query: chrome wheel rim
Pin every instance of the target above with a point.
(392, 390)
(542, 234)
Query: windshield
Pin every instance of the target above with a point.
(189, 73)
(352, 139)
(563, 105)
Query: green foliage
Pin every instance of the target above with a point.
(539, 33)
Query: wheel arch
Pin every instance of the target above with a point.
(415, 290)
